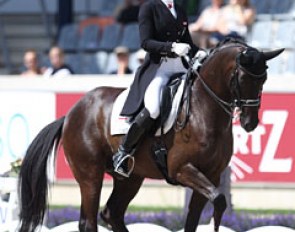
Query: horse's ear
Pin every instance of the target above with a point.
(272, 54)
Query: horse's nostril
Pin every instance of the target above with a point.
(250, 126)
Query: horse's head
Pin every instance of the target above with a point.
(233, 75)
(247, 82)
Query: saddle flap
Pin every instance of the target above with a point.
(168, 94)
(120, 124)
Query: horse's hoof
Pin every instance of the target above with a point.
(105, 219)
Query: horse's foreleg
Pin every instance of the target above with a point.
(123, 192)
(190, 176)
(196, 205)
(219, 208)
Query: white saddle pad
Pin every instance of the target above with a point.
(120, 124)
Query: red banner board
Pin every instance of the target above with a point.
(63, 104)
(265, 155)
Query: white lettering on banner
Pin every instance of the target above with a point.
(256, 140)
(3, 214)
(14, 139)
(14, 136)
(17, 135)
(241, 139)
(23, 114)
(269, 163)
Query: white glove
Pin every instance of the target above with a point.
(199, 58)
(201, 55)
(180, 49)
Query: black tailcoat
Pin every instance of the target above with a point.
(158, 30)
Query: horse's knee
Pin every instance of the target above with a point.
(220, 203)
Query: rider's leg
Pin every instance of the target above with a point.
(141, 124)
(145, 119)
(152, 97)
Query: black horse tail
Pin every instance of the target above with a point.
(33, 180)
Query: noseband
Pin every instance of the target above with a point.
(237, 101)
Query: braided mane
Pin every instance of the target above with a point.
(227, 41)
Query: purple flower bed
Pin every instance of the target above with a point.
(241, 221)
(247, 221)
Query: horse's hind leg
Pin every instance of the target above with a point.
(196, 205)
(90, 187)
(123, 192)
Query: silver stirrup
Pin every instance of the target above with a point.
(118, 169)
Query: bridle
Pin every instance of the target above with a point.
(237, 101)
(240, 102)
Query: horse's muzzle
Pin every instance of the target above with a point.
(249, 123)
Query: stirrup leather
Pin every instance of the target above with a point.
(118, 169)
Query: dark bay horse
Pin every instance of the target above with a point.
(232, 76)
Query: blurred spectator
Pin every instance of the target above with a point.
(140, 55)
(31, 64)
(206, 24)
(191, 6)
(235, 20)
(128, 11)
(123, 61)
(58, 67)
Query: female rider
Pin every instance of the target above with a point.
(164, 35)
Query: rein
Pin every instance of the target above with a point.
(226, 106)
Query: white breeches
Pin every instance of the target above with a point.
(152, 97)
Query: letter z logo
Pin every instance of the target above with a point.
(268, 162)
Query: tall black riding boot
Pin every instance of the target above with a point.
(142, 123)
